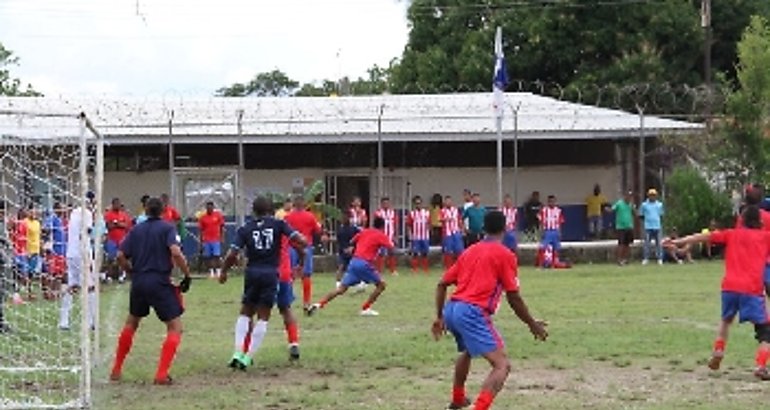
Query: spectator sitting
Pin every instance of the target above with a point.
(711, 250)
(675, 253)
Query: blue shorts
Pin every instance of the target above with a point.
(420, 247)
(212, 249)
(358, 271)
(260, 287)
(509, 241)
(343, 260)
(22, 264)
(453, 244)
(551, 237)
(34, 265)
(156, 292)
(285, 296)
(307, 269)
(111, 249)
(751, 308)
(472, 328)
(767, 274)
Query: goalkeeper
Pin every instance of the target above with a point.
(146, 253)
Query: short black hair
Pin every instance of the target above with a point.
(262, 206)
(754, 195)
(551, 196)
(154, 207)
(144, 199)
(378, 223)
(209, 203)
(494, 222)
(385, 198)
(751, 217)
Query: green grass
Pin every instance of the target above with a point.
(630, 337)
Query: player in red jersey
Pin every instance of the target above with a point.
(172, 216)
(305, 223)
(451, 234)
(754, 195)
(357, 214)
(746, 251)
(481, 274)
(418, 225)
(118, 223)
(367, 243)
(551, 219)
(212, 226)
(510, 212)
(388, 214)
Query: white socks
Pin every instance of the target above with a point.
(241, 330)
(64, 310)
(257, 336)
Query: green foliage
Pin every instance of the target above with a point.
(748, 122)
(691, 203)
(566, 42)
(313, 198)
(272, 83)
(12, 86)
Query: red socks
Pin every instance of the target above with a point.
(125, 341)
(292, 333)
(414, 264)
(392, 263)
(448, 261)
(380, 261)
(762, 355)
(719, 345)
(484, 401)
(425, 264)
(167, 353)
(366, 305)
(458, 395)
(307, 290)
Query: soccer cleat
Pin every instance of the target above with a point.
(369, 312)
(761, 373)
(115, 377)
(293, 352)
(4, 328)
(168, 381)
(311, 309)
(235, 362)
(455, 406)
(660, 261)
(716, 359)
(645, 261)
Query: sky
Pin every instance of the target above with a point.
(193, 47)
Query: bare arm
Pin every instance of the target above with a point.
(696, 238)
(230, 260)
(438, 324)
(179, 260)
(518, 306)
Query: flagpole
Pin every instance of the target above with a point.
(499, 82)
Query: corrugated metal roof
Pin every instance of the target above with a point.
(440, 117)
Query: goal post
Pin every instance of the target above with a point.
(49, 166)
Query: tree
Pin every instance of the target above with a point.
(268, 84)
(573, 44)
(691, 203)
(12, 86)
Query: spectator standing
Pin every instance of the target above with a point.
(474, 214)
(624, 210)
(595, 204)
(531, 211)
(651, 212)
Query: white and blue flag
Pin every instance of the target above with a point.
(500, 79)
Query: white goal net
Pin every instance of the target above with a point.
(50, 169)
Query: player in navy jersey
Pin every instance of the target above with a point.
(152, 249)
(345, 233)
(261, 239)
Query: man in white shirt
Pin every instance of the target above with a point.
(76, 272)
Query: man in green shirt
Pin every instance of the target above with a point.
(624, 226)
(475, 216)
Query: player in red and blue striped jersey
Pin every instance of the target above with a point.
(452, 244)
(510, 212)
(418, 224)
(481, 274)
(388, 214)
(357, 214)
(551, 219)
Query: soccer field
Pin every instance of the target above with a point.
(630, 337)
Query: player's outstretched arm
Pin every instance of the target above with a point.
(695, 238)
(438, 325)
(537, 327)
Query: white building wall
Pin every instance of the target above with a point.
(571, 184)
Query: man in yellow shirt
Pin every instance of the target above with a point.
(595, 204)
(33, 248)
(281, 213)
